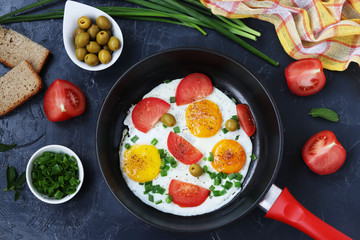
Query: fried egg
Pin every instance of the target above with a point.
(201, 124)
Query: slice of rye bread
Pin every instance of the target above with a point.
(17, 86)
(15, 47)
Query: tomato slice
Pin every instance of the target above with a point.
(187, 194)
(182, 150)
(246, 119)
(305, 77)
(323, 153)
(63, 100)
(193, 87)
(148, 112)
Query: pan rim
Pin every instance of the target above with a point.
(265, 90)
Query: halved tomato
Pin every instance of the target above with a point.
(323, 153)
(187, 194)
(63, 100)
(193, 87)
(246, 119)
(305, 77)
(148, 112)
(182, 150)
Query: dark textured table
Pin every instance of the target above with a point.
(95, 213)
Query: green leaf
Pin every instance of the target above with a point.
(325, 113)
(17, 195)
(20, 181)
(4, 147)
(10, 176)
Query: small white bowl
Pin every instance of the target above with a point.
(74, 10)
(55, 149)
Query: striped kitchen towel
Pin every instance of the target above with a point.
(328, 30)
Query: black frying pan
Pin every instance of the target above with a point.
(228, 75)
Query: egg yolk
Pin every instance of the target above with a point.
(142, 163)
(229, 156)
(203, 118)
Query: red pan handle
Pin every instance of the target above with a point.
(287, 210)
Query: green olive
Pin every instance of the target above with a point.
(106, 47)
(93, 30)
(104, 56)
(168, 120)
(231, 125)
(80, 53)
(114, 43)
(84, 22)
(82, 39)
(103, 22)
(91, 59)
(77, 31)
(93, 47)
(195, 170)
(102, 38)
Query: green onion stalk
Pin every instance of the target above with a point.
(189, 13)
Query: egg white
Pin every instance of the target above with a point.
(204, 145)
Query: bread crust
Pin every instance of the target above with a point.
(26, 96)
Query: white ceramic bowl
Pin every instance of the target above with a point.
(74, 10)
(55, 149)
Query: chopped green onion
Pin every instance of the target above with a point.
(160, 190)
(253, 157)
(224, 175)
(127, 146)
(237, 184)
(162, 153)
(149, 183)
(237, 137)
(163, 173)
(174, 165)
(234, 100)
(151, 198)
(148, 188)
(158, 202)
(228, 185)
(134, 139)
(205, 158)
(140, 183)
(211, 157)
(167, 168)
(164, 126)
(211, 188)
(55, 175)
(217, 181)
(154, 141)
(167, 81)
(172, 99)
(223, 192)
(231, 176)
(216, 193)
(235, 117)
(212, 175)
(238, 177)
(225, 130)
(169, 199)
(205, 169)
(59, 194)
(154, 189)
(176, 129)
